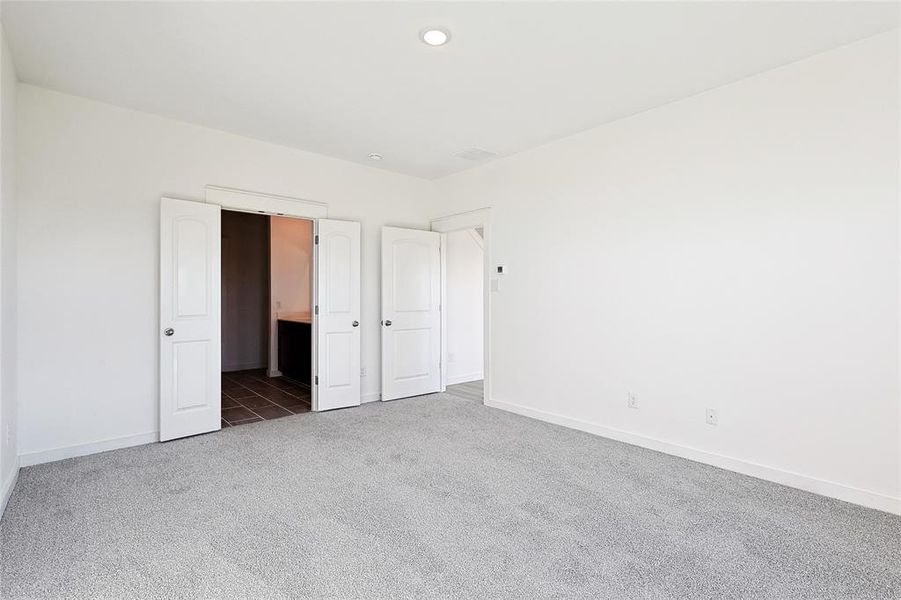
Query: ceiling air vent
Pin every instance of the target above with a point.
(475, 154)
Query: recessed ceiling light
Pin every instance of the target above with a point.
(375, 156)
(435, 37)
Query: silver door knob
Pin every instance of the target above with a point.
(356, 323)
(169, 332)
(387, 323)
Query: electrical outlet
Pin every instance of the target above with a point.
(712, 419)
(633, 400)
(451, 357)
(8, 436)
(362, 371)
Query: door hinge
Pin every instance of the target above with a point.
(316, 380)
(316, 310)
(315, 239)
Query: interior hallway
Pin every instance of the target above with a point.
(471, 390)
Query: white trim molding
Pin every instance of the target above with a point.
(472, 219)
(796, 480)
(244, 201)
(7, 487)
(443, 364)
(44, 456)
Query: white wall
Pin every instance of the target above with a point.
(735, 250)
(291, 268)
(90, 179)
(8, 403)
(464, 263)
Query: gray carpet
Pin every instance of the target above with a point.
(432, 497)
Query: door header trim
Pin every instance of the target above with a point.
(270, 204)
(466, 220)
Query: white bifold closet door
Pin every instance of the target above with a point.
(190, 349)
(337, 368)
(411, 312)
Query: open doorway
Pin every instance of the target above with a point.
(267, 289)
(464, 276)
(435, 308)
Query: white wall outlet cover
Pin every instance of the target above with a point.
(711, 416)
(632, 400)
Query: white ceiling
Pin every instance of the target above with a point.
(348, 79)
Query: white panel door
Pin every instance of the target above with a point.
(338, 318)
(190, 349)
(411, 312)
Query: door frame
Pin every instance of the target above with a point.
(472, 219)
(280, 206)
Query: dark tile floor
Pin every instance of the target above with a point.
(250, 396)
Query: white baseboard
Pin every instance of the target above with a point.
(7, 487)
(466, 378)
(788, 478)
(372, 397)
(54, 454)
